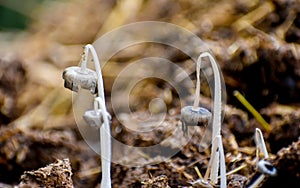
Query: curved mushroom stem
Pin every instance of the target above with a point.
(217, 106)
(105, 141)
(105, 146)
(95, 58)
(260, 146)
(217, 95)
(260, 143)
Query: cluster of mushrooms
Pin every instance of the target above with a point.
(82, 77)
(76, 77)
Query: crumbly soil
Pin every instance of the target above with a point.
(257, 46)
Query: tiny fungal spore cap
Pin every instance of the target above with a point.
(93, 118)
(194, 117)
(266, 167)
(75, 76)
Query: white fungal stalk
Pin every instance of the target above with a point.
(263, 166)
(260, 147)
(216, 157)
(82, 77)
(105, 146)
(217, 93)
(105, 141)
(260, 144)
(197, 94)
(219, 143)
(95, 58)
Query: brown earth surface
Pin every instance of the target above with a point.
(256, 44)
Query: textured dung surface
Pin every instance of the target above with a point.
(256, 44)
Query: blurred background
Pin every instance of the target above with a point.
(256, 43)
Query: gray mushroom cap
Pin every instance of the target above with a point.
(266, 167)
(75, 76)
(94, 118)
(194, 117)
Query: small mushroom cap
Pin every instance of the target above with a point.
(194, 117)
(94, 118)
(76, 76)
(266, 167)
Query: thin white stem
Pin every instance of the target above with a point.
(222, 163)
(217, 95)
(217, 109)
(105, 141)
(215, 161)
(96, 106)
(105, 146)
(217, 158)
(95, 58)
(197, 94)
(84, 58)
(260, 142)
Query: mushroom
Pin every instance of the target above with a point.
(94, 117)
(263, 166)
(195, 115)
(266, 167)
(76, 77)
(82, 77)
(191, 116)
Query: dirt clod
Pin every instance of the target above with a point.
(57, 174)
